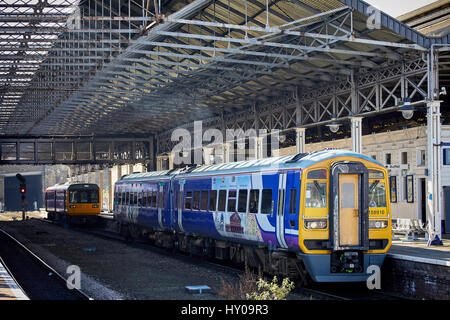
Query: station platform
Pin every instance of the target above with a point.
(418, 251)
(9, 289)
(414, 269)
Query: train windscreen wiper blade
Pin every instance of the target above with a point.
(373, 185)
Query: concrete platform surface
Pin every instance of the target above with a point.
(418, 251)
(9, 289)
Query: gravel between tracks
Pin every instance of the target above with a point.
(117, 270)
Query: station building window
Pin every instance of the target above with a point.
(446, 156)
(420, 158)
(388, 158)
(404, 157)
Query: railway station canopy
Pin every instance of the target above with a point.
(138, 67)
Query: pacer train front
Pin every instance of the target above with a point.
(325, 215)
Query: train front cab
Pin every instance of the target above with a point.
(345, 219)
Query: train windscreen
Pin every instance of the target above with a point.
(84, 196)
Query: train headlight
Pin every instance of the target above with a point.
(378, 224)
(95, 206)
(72, 206)
(315, 224)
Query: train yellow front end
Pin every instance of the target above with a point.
(344, 218)
(73, 203)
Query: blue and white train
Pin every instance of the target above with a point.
(324, 215)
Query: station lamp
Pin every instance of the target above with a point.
(407, 109)
(334, 124)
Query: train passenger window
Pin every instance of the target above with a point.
(188, 200)
(196, 201)
(292, 201)
(212, 200)
(153, 199)
(266, 201)
(231, 201)
(150, 199)
(317, 174)
(222, 200)
(242, 201)
(204, 201)
(316, 195)
(139, 194)
(254, 201)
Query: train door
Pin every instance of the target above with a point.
(349, 206)
(169, 207)
(180, 194)
(160, 204)
(349, 209)
(291, 205)
(281, 204)
(286, 207)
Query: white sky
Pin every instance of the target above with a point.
(396, 8)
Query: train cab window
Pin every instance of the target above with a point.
(266, 201)
(222, 200)
(231, 201)
(254, 201)
(212, 200)
(317, 174)
(188, 200)
(292, 201)
(242, 201)
(81, 196)
(196, 201)
(316, 195)
(377, 189)
(204, 201)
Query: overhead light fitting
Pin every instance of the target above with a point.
(334, 124)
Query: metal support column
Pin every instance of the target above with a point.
(434, 188)
(356, 134)
(300, 140)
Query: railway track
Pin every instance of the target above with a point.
(37, 279)
(327, 291)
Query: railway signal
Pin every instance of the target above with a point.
(23, 191)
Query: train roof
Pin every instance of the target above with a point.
(298, 161)
(69, 186)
